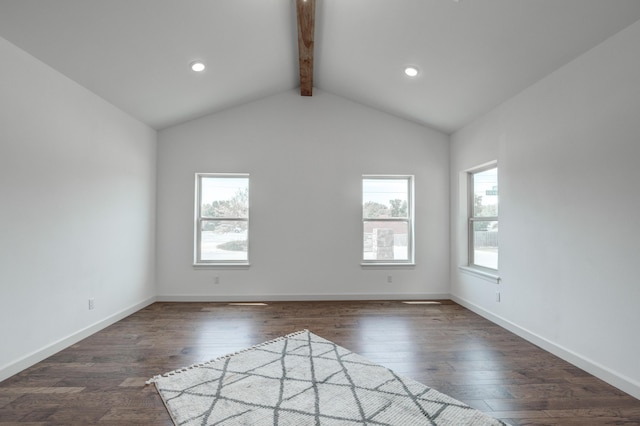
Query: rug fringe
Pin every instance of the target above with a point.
(202, 364)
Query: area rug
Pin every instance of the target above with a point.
(303, 379)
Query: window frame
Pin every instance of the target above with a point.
(409, 220)
(199, 220)
(471, 219)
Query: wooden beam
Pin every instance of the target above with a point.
(306, 11)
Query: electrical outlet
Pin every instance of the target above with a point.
(389, 279)
(216, 280)
(92, 304)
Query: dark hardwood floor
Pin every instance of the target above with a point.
(101, 380)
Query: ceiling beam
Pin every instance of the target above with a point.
(306, 11)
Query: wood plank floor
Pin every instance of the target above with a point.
(101, 380)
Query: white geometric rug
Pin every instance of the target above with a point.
(302, 379)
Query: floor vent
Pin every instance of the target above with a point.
(247, 304)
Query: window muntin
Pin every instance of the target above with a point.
(222, 219)
(387, 219)
(483, 218)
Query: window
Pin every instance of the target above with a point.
(222, 219)
(387, 219)
(483, 218)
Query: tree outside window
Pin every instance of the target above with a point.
(222, 219)
(483, 218)
(387, 219)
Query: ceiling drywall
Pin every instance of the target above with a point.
(472, 54)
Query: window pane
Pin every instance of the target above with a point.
(485, 243)
(223, 240)
(385, 198)
(485, 193)
(224, 197)
(386, 240)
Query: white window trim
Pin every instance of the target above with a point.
(197, 262)
(481, 273)
(470, 267)
(410, 220)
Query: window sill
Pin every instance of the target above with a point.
(485, 275)
(223, 265)
(386, 265)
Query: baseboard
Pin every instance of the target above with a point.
(41, 354)
(615, 379)
(285, 297)
(621, 382)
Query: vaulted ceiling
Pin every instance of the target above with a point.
(472, 54)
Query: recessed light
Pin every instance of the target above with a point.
(411, 71)
(197, 66)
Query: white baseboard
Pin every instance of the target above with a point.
(284, 297)
(615, 379)
(41, 354)
(621, 382)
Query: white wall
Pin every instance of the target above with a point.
(306, 157)
(77, 211)
(568, 150)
